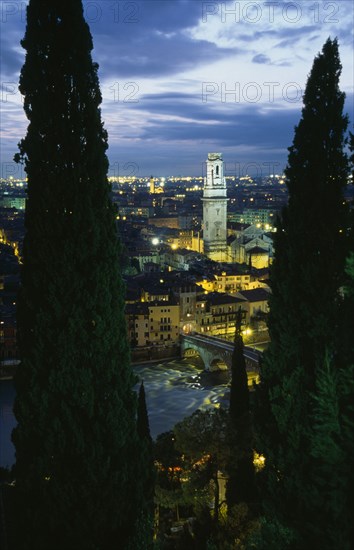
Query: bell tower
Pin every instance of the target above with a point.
(215, 209)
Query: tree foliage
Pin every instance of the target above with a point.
(143, 419)
(311, 246)
(240, 469)
(203, 433)
(146, 457)
(203, 438)
(79, 477)
(331, 445)
(239, 394)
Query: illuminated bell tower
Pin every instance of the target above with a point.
(152, 185)
(215, 209)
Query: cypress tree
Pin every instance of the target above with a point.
(143, 429)
(346, 316)
(239, 394)
(240, 468)
(332, 445)
(306, 276)
(143, 419)
(79, 478)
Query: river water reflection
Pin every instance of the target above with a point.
(176, 389)
(173, 389)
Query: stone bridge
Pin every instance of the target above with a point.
(216, 353)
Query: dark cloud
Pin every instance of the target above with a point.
(11, 61)
(12, 53)
(291, 41)
(290, 33)
(131, 39)
(160, 55)
(243, 127)
(151, 39)
(265, 60)
(178, 117)
(262, 59)
(241, 130)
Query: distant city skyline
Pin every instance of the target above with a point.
(184, 78)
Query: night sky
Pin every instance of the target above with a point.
(181, 78)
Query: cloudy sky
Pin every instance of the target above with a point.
(181, 78)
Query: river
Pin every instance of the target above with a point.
(173, 389)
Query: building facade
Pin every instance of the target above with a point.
(215, 209)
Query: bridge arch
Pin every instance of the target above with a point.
(192, 351)
(215, 352)
(213, 359)
(189, 346)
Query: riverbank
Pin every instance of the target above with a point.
(174, 389)
(138, 357)
(155, 353)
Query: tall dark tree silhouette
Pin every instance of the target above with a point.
(239, 394)
(79, 476)
(240, 469)
(306, 276)
(143, 428)
(346, 316)
(143, 418)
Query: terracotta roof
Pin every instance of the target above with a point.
(219, 298)
(255, 294)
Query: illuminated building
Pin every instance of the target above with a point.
(152, 185)
(215, 209)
